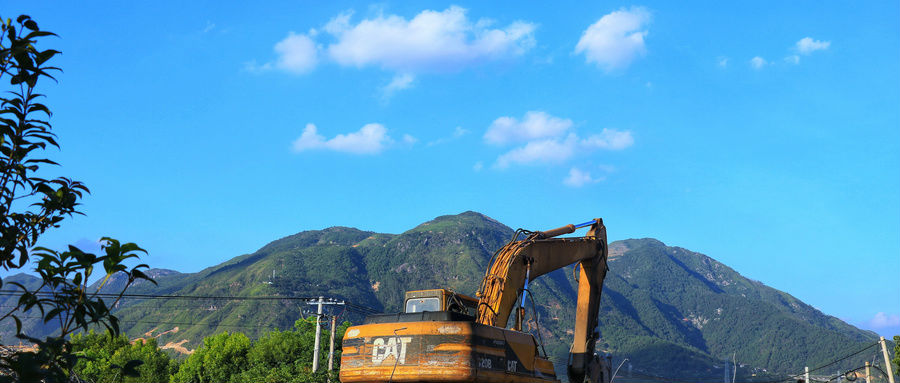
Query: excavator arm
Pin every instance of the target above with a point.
(521, 261)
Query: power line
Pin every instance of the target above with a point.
(182, 323)
(354, 306)
(843, 358)
(175, 296)
(790, 377)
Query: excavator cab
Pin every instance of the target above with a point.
(439, 300)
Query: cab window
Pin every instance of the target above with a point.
(417, 305)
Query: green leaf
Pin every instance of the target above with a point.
(137, 274)
(43, 56)
(17, 79)
(52, 314)
(18, 324)
(30, 24)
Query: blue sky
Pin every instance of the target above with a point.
(764, 135)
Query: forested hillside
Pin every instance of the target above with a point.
(665, 308)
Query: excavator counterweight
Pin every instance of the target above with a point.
(443, 336)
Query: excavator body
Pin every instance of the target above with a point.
(443, 336)
(440, 345)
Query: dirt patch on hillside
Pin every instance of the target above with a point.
(178, 347)
(617, 249)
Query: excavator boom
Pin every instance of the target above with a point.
(447, 337)
(519, 262)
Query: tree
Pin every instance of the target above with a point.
(100, 354)
(30, 205)
(156, 366)
(279, 356)
(221, 358)
(896, 360)
(96, 351)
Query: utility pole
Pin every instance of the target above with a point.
(320, 303)
(617, 370)
(868, 373)
(887, 361)
(806, 375)
(318, 334)
(734, 361)
(331, 347)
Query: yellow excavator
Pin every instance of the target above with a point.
(443, 336)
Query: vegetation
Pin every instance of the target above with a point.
(665, 308)
(279, 356)
(896, 360)
(102, 354)
(30, 205)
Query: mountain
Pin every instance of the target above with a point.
(30, 322)
(670, 311)
(678, 297)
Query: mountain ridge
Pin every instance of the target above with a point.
(662, 306)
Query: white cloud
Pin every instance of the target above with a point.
(559, 150)
(339, 23)
(457, 133)
(804, 47)
(534, 125)
(478, 166)
(432, 41)
(370, 139)
(209, 27)
(807, 45)
(609, 139)
(409, 140)
(578, 178)
(552, 151)
(297, 54)
(723, 62)
(615, 40)
(399, 82)
(882, 320)
(757, 62)
(548, 139)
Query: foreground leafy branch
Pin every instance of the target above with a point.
(30, 205)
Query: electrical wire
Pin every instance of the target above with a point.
(657, 378)
(848, 356)
(355, 306)
(181, 323)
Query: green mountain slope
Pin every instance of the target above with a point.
(685, 298)
(671, 311)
